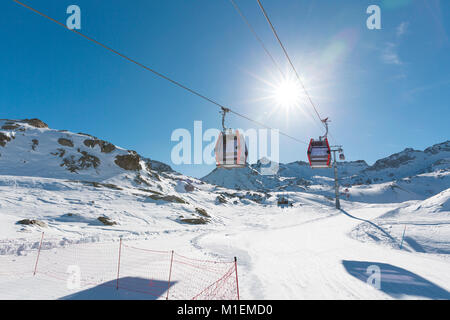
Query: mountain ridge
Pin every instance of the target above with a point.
(400, 165)
(29, 147)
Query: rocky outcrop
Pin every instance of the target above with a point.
(35, 143)
(98, 184)
(32, 222)
(194, 220)
(202, 212)
(129, 162)
(60, 152)
(86, 161)
(35, 123)
(4, 139)
(65, 142)
(106, 221)
(105, 146)
(169, 198)
(221, 199)
(10, 126)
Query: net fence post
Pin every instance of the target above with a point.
(39, 252)
(237, 281)
(118, 263)
(170, 275)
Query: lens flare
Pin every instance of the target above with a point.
(287, 93)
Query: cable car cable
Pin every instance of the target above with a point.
(156, 72)
(244, 18)
(289, 59)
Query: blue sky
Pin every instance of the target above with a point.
(383, 89)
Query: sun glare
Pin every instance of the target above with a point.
(283, 94)
(287, 93)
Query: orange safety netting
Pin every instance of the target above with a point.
(159, 274)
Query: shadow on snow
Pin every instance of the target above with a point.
(396, 281)
(130, 288)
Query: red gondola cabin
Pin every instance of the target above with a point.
(319, 154)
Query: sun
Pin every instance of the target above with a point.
(283, 93)
(287, 93)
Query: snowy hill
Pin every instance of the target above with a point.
(435, 208)
(420, 226)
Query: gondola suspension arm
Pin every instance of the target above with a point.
(224, 113)
(325, 122)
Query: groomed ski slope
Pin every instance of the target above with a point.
(305, 258)
(305, 252)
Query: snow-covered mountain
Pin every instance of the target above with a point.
(30, 148)
(408, 163)
(295, 176)
(54, 167)
(35, 157)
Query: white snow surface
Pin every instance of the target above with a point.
(399, 223)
